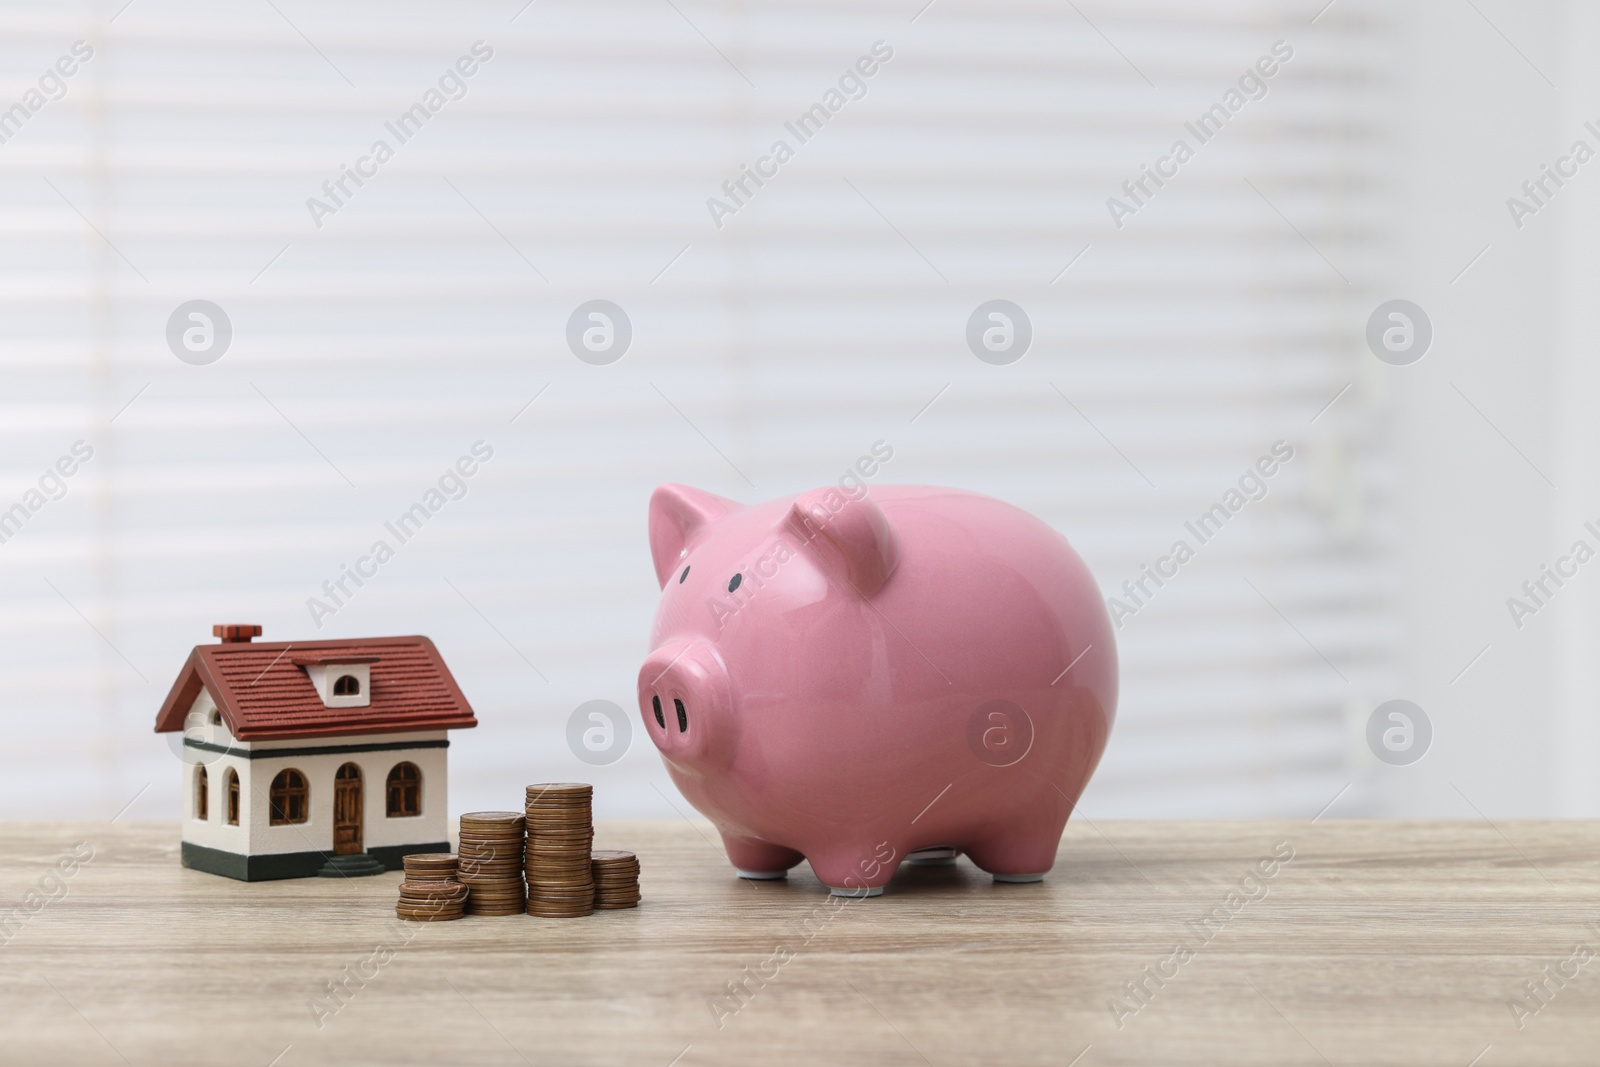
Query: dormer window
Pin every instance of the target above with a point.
(342, 680)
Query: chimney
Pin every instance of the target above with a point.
(236, 632)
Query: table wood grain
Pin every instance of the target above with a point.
(1376, 943)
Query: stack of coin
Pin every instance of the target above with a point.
(432, 900)
(491, 862)
(560, 830)
(431, 866)
(616, 879)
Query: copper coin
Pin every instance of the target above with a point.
(455, 903)
(432, 890)
(558, 875)
(490, 859)
(437, 888)
(549, 913)
(493, 821)
(413, 911)
(471, 851)
(557, 819)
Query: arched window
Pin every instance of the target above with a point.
(202, 794)
(347, 685)
(233, 797)
(289, 798)
(404, 791)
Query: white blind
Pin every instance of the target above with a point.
(768, 354)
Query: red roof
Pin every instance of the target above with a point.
(265, 695)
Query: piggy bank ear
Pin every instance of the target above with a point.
(677, 513)
(850, 536)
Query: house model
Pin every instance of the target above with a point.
(312, 757)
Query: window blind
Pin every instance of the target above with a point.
(377, 339)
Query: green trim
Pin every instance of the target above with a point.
(393, 856)
(289, 864)
(312, 750)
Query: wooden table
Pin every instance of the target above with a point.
(1376, 943)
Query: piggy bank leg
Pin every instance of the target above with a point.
(851, 874)
(759, 860)
(1016, 856)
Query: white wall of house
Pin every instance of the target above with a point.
(255, 834)
(213, 831)
(316, 833)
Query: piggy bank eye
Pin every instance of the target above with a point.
(733, 583)
(684, 575)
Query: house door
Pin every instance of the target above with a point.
(347, 810)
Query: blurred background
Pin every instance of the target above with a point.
(374, 336)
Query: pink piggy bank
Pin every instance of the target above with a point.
(853, 678)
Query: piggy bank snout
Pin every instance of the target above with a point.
(685, 700)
